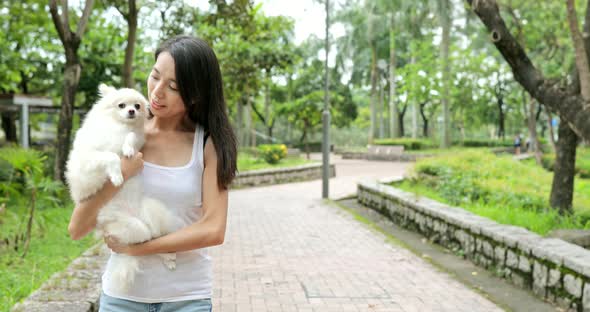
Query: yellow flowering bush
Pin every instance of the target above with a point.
(272, 153)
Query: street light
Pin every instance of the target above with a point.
(326, 116)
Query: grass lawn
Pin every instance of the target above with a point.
(444, 151)
(51, 250)
(582, 162)
(247, 162)
(499, 188)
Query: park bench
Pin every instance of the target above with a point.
(385, 152)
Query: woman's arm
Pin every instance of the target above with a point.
(83, 218)
(208, 231)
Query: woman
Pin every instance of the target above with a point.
(187, 162)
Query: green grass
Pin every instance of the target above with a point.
(51, 250)
(582, 162)
(499, 188)
(443, 151)
(247, 162)
(408, 143)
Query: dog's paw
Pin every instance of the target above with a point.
(128, 150)
(169, 261)
(116, 179)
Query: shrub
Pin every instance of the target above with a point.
(24, 187)
(484, 143)
(483, 177)
(272, 153)
(408, 143)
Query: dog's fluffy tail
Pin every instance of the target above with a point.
(123, 270)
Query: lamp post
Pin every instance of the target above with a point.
(326, 116)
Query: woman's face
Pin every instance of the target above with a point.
(165, 99)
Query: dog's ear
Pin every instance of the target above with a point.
(103, 89)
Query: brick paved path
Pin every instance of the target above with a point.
(285, 250)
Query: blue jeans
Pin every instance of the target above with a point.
(111, 304)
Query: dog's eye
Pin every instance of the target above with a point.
(137, 106)
(122, 105)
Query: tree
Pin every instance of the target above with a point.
(272, 40)
(569, 103)
(394, 130)
(580, 51)
(71, 42)
(570, 106)
(445, 21)
(562, 187)
(129, 13)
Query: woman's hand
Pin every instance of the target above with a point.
(131, 166)
(120, 248)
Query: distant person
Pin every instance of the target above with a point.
(517, 144)
(527, 143)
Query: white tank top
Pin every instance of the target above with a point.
(180, 189)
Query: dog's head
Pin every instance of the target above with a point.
(124, 105)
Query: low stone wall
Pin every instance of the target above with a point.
(280, 175)
(553, 269)
(76, 289)
(391, 157)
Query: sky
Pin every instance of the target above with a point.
(309, 15)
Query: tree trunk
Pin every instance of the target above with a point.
(445, 43)
(267, 122)
(424, 120)
(580, 49)
(373, 90)
(551, 131)
(240, 121)
(393, 110)
(533, 140)
(64, 128)
(252, 129)
(71, 42)
(501, 118)
(305, 141)
(401, 120)
(9, 126)
(247, 123)
(562, 189)
(538, 118)
(131, 18)
(415, 109)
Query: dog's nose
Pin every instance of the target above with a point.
(131, 112)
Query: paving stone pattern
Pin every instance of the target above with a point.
(285, 250)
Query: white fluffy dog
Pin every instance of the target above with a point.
(114, 128)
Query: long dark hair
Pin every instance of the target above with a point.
(201, 87)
